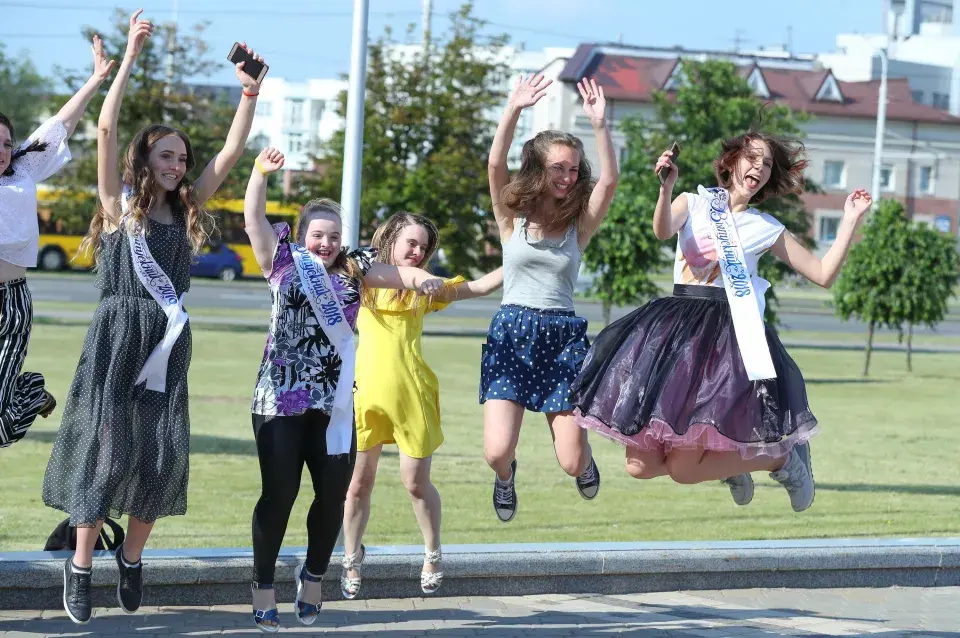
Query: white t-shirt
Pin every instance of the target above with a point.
(697, 263)
(19, 231)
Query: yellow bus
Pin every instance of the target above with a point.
(60, 235)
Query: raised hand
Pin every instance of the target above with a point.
(594, 104)
(857, 204)
(528, 92)
(667, 160)
(248, 82)
(101, 65)
(269, 160)
(140, 30)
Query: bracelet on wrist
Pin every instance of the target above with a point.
(250, 94)
(257, 165)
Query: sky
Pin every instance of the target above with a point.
(303, 39)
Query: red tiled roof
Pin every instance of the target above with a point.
(635, 78)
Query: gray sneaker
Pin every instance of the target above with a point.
(741, 488)
(796, 476)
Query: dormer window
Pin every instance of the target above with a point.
(758, 83)
(829, 90)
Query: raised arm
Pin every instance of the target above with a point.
(525, 93)
(216, 171)
(108, 174)
(595, 106)
(473, 289)
(402, 278)
(668, 217)
(823, 272)
(262, 238)
(72, 111)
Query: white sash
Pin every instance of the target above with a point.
(738, 282)
(318, 288)
(151, 275)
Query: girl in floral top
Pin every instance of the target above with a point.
(295, 396)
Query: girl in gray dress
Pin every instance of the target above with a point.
(123, 444)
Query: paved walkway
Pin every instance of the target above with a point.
(908, 612)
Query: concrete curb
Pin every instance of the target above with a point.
(261, 325)
(33, 580)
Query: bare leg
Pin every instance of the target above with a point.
(356, 512)
(501, 433)
(645, 464)
(415, 474)
(570, 443)
(697, 465)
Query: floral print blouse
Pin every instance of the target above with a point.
(300, 366)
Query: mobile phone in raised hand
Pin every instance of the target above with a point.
(253, 68)
(664, 171)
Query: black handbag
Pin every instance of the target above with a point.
(64, 537)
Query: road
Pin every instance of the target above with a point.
(796, 314)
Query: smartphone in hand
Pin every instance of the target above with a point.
(256, 70)
(664, 172)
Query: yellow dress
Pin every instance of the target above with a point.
(398, 395)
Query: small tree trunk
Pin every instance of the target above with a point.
(866, 363)
(606, 314)
(910, 348)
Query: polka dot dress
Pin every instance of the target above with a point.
(123, 449)
(532, 357)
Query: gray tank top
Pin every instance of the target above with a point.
(540, 273)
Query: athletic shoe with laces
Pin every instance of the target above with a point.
(76, 592)
(505, 495)
(796, 476)
(588, 483)
(741, 488)
(130, 584)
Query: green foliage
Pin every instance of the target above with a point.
(930, 275)
(23, 93)
(715, 104)
(427, 133)
(873, 285)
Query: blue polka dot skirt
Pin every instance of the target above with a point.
(532, 357)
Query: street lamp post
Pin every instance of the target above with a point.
(353, 142)
(881, 125)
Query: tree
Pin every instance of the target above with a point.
(22, 98)
(715, 103)
(874, 283)
(930, 275)
(149, 100)
(428, 127)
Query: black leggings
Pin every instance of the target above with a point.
(284, 444)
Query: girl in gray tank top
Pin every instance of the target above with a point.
(536, 344)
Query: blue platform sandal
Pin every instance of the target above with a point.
(267, 621)
(306, 612)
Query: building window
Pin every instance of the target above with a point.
(941, 101)
(828, 229)
(926, 179)
(295, 142)
(886, 178)
(917, 96)
(264, 109)
(833, 176)
(294, 114)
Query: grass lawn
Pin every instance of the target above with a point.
(885, 462)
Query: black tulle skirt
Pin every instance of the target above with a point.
(670, 375)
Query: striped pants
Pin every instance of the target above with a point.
(21, 395)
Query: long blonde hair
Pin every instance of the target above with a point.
(385, 238)
(324, 206)
(138, 175)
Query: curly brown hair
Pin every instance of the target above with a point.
(786, 175)
(522, 194)
(317, 208)
(138, 176)
(385, 238)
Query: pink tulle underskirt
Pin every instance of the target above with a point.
(658, 435)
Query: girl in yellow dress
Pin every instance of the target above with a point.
(397, 398)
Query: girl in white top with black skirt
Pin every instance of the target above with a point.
(22, 166)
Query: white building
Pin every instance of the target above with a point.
(923, 47)
(296, 117)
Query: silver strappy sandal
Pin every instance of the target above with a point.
(350, 587)
(430, 581)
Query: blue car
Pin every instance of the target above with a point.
(217, 260)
